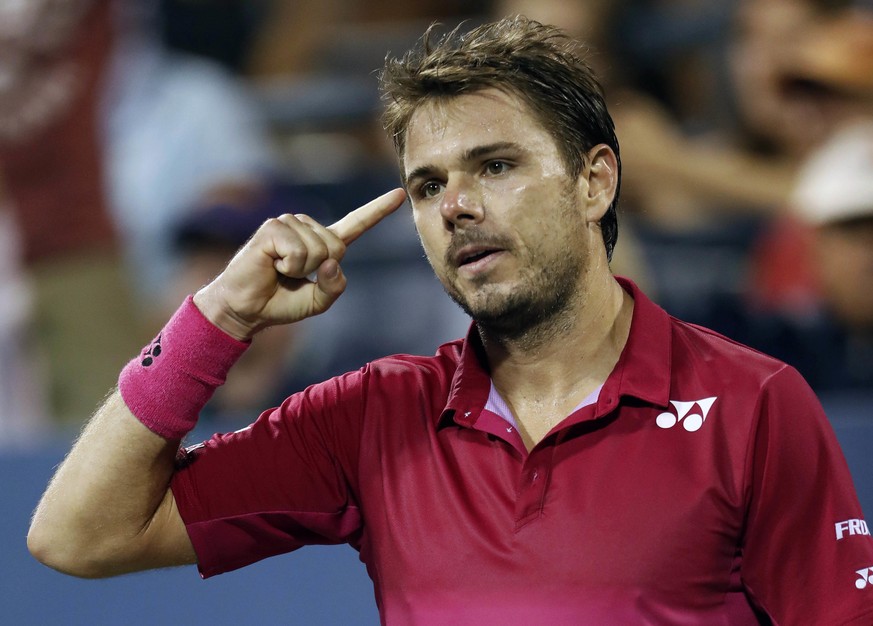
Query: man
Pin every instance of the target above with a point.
(579, 458)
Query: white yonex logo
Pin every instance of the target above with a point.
(691, 421)
(865, 577)
(851, 526)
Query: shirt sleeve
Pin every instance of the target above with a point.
(807, 551)
(283, 482)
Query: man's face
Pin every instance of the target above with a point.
(502, 223)
(845, 263)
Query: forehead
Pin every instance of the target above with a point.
(456, 124)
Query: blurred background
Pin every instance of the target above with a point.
(143, 141)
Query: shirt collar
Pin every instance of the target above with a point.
(644, 368)
(470, 383)
(642, 371)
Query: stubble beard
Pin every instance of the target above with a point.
(538, 306)
(535, 309)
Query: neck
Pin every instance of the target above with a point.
(564, 358)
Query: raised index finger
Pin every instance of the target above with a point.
(362, 219)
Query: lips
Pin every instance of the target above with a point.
(471, 254)
(472, 250)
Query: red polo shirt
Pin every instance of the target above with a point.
(703, 486)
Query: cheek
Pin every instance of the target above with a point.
(429, 232)
(844, 263)
(845, 258)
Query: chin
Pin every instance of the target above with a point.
(515, 310)
(511, 316)
(486, 303)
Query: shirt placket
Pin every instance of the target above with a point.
(534, 480)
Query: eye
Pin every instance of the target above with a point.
(496, 167)
(431, 189)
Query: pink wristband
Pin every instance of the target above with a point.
(168, 385)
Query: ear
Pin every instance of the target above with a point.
(598, 181)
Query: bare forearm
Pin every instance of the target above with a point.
(99, 514)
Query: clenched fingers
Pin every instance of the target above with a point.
(330, 282)
(303, 245)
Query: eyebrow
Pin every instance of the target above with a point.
(472, 154)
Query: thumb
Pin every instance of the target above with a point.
(330, 282)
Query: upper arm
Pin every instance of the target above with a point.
(800, 489)
(108, 509)
(285, 481)
(165, 539)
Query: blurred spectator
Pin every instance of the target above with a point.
(23, 417)
(105, 140)
(175, 129)
(830, 69)
(834, 197)
(830, 339)
(760, 115)
(704, 196)
(776, 62)
(673, 52)
(54, 54)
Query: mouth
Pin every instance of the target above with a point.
(473, 254)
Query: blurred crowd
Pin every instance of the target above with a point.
(143, 141)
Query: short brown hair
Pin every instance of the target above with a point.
(537, 63)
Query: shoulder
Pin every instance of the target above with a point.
(415, 368)
(384, 389)
(696, 346)
(394, 372)
(747, 385)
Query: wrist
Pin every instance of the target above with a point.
(174, 376)
(212, 307)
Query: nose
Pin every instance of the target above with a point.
(461, 203)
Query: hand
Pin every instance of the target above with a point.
(266, 283)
